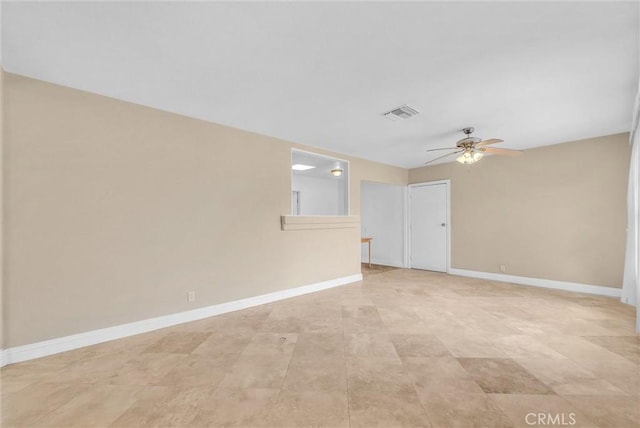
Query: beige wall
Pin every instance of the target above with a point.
(558, 212)
(114, 211)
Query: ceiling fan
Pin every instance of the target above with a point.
(471, 149)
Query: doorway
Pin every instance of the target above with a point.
(383, 218)
(429, 231)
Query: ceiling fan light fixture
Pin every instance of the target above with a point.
(469, 157)
(473, 148)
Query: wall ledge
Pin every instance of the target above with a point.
(538, 282)
(311, 222)
(68, 343)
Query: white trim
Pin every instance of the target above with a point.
(538, 282)
(384, 262)
(405, 207)
(67, 343)
(447, 187)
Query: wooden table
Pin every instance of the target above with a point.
(367, 241)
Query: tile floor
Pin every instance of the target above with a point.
(402, 348)
(374, 269)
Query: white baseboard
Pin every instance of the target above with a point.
(384, 262)
(537, 282)
(67, 343)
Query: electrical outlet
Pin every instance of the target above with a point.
(503, 268)
(191, 296)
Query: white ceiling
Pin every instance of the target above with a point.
(321, 74)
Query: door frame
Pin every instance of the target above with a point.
(407, 241)
(295, 211)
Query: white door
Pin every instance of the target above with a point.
(428, 227)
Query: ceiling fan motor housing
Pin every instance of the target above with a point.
(467, 142)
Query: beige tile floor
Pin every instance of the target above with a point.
(374, 269)
(402, 348)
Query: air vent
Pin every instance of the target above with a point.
(400, 113)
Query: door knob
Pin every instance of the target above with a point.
(443, 225)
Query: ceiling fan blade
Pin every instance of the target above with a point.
(487, 142)
(444, 156)
(444, 148)
(503, 152)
